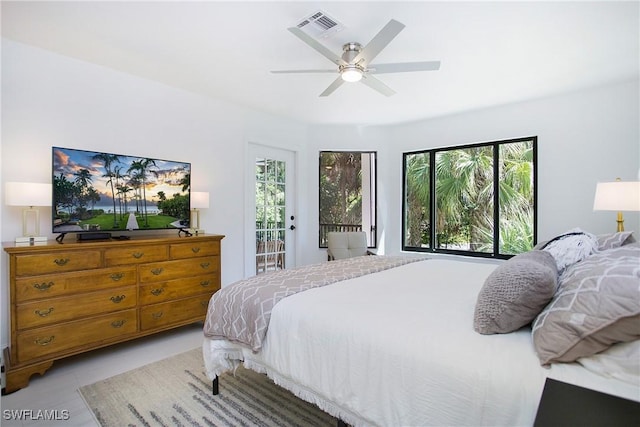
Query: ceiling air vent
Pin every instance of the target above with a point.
(320, 25)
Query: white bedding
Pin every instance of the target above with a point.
(398, 348)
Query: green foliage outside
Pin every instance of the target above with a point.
(340, 188)
(270, 199)
(464, 188)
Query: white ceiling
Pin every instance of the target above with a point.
(491, 53)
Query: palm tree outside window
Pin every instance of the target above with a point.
(347, 193)
(476, 199)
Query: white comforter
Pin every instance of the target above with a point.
(397, 348)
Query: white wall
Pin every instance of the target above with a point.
(48, 100)
(348, 138)
(583, 138)
(51, 100)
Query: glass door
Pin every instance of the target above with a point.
(273, 217)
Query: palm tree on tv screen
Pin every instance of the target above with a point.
(141, 168)
(108, 160)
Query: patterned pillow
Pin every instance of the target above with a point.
(571, 247)
(597, 305)
(614, 240)
(515, 293)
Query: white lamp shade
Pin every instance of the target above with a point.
(27, 194)
(617, 196)
(199, 200)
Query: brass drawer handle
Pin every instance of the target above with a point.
(157, 291)
(43, 286)
(195, 250)
(117, 298)
(205, 283)
(118, 323)
(45, 341)
(116, 276)
(157, 271)
(137, 255)
(44, 313)
(61, 261)
(205, 264)
(156, 315)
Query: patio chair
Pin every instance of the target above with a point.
(348, 244)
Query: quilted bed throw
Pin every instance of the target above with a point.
(241, 311)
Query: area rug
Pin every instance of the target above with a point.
(176, 392)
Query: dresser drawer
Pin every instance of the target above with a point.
(153, 293)
(58, 262)
(42, 342)
(194, 248)
(48, 286)
(168, 270)
(136, 254)
(181, 311)
(46, 312)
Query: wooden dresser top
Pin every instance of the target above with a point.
(15, 248)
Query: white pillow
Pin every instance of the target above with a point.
(571, 247)
(620, 361)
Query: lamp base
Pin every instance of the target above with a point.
(620, 222)
(31, 240)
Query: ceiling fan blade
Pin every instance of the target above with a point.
(377, 85)
(333, 86)
(303, 71)
(379, 41)
(317, 46)
(404, 67)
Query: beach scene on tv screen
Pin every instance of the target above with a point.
(94, 191)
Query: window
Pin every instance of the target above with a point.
(347, 194)
(474, 200)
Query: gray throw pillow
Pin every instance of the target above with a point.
(515, 293)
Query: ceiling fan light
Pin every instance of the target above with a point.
(351, 74)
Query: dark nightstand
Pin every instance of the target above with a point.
(567, 405)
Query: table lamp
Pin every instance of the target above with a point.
(29, 195)
(199, 200)
(617, 196)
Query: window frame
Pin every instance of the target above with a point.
(495, 253)
(373, 233)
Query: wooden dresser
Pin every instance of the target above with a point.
(70, 298)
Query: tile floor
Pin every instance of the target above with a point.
(58, 388)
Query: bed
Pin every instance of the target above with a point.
(384, 340)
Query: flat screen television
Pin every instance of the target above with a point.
(103, 192)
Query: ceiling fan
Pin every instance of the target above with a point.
(355, 63)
